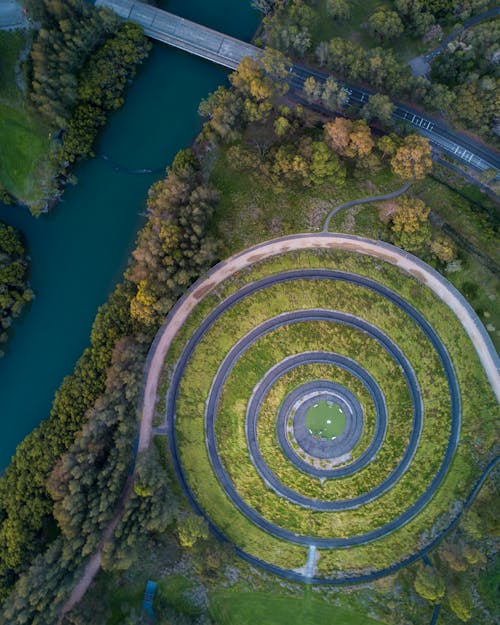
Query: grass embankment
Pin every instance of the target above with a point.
(245, 608)
(477, 400)
(24, 138)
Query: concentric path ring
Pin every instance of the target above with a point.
(269, 380)
(305, 396)
(370, 452)
(312, 274)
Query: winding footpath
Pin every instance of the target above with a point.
(183, 308)
(365, 200)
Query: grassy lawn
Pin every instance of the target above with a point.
(325, 419)
(246, 608)
(24, 138)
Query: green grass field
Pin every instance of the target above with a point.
(24, 138)
(325, 420)
(247, 608)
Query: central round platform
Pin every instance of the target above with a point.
(325, 419)
(314, 430)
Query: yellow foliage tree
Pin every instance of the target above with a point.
(413, 159)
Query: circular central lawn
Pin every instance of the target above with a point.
(325, 419)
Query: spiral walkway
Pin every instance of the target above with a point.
(291, 408)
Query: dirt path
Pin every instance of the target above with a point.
(181, 311)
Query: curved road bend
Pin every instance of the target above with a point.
(183, 308)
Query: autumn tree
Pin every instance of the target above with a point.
(410, 224)
(412, 160)
(348, 138)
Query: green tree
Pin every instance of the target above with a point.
(385, 25)
(191, 528)
(338, 9)
(378, 107)
(460, 602)
(429, 584)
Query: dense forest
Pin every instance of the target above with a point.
(464, 79)
(70, 472)
(14, 286)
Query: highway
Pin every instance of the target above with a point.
(228, 52)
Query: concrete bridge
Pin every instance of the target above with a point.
(183, 34)
(228, 51)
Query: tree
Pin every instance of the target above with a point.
(410, 224)
(338, 9)
(444, 249)
(429, 584)
(191, 528)
(460, 602)
(334, 96)
(378, 107)
(264, 6)
(384, 24)
(413, 158)
(337, 134)
(282, 126)
(387, 144)
(312, 89)
(347, 138)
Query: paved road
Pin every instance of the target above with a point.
(486, 15)
(290, 363)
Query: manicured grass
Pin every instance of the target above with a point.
(24, 138)
(245, 608)
(325, 419)
(24, 143)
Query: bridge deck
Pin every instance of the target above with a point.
(183, 34)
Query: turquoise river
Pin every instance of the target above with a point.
(79, 251)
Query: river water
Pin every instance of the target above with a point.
(79, 251)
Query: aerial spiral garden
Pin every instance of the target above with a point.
(326, 398)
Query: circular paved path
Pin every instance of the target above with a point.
(268, 476)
